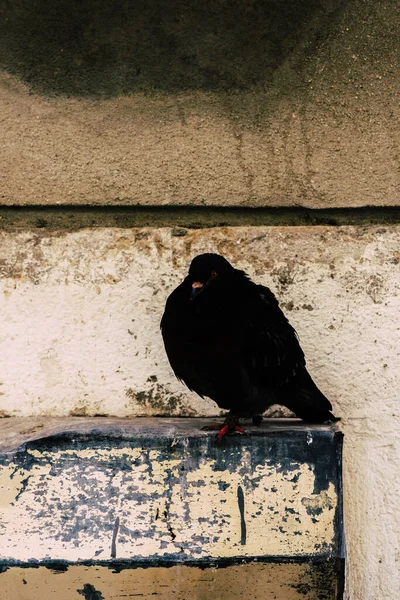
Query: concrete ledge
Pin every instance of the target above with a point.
(260, 581)
(106, 508)
(160, 491)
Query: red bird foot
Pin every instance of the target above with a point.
(224, 429)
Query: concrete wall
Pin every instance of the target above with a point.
(220, 106)
(80, 336)
(81, 313)
(219, 103)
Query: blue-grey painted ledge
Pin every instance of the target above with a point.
(156, 492)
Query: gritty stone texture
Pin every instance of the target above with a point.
(251, 104)
(151, 491)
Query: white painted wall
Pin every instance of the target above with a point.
(79, 333)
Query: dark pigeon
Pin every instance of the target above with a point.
(227, 338)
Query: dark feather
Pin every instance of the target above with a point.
(233, 344)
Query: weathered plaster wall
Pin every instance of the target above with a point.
(79, 335)
(292, 103)
(81, 313)
(161, 103)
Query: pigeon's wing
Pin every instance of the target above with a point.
(273, 358)
(271, 352)
(172, 329)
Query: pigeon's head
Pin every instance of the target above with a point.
(205, 268)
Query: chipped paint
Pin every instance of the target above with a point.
(172, 497)
(11, 483)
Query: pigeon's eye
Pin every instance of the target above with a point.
(214, 274)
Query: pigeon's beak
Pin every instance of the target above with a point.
(196, 289)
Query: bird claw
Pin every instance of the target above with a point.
(224, 429)
(240, 430)
(222, 433)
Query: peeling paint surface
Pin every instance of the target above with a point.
(75, 497)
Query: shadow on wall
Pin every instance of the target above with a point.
(106, 48)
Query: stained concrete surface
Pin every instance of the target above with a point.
(261, 104)
(154, 507)
(319, 128)
(16, 432)
(101, 48)
(182, 218)
(81, 311)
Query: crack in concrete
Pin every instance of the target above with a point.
(73, 218)
(114, 539)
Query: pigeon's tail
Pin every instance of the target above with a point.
(304, 398)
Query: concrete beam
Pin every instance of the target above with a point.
(283, 581)
(261, 104)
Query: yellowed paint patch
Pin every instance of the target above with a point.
(10, 484)
(70, 501)
(276, 517)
